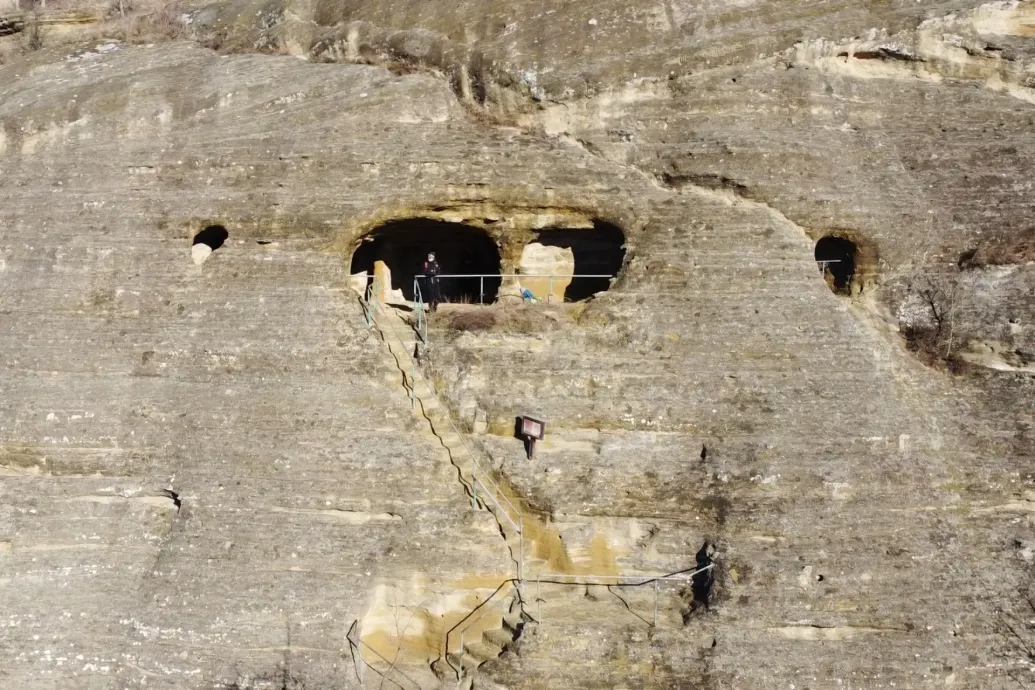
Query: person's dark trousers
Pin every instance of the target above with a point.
(435, 296)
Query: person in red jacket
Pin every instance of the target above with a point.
(431, 271)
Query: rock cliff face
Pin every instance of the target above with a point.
(211, 471)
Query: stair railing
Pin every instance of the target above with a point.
(550, 277)
(627, 581)
(505, 511)
(418, 307)
(465, 623)
(370, 298)
(478, 612)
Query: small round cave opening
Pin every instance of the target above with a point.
(836, 257)
(397, 251)
(573, 264)
(212, 237)
(207, 241)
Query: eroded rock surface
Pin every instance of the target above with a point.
(210, 470)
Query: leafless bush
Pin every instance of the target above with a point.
(927, 319)
(159, 20)
(142, 21)
(120, 7)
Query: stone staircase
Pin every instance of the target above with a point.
(491, 636)
(401, 340)
(460, 666)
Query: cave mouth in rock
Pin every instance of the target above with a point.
(836, 257)
(213, 237)
(399, 248)
(599, 250)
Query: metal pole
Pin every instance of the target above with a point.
(655, 603)
(521, 548)
(481, 289)
(538, 598)
(460, 663)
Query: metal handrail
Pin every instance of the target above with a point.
(422, 319)
(467, 622)
(517, 275)
(476, 467)
(590, 579)
(622, 581)
(482, 276)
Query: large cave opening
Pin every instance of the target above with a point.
(396, 251)
(837, 258)
(573, 264)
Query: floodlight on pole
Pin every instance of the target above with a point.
(533, 430)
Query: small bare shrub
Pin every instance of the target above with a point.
(930, 332)
(144, 21)
(119, 7)
(163, 20)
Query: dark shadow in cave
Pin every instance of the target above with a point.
(600, 251)
(214, 236)
(403, 246)
(701, 582)
(836, 257)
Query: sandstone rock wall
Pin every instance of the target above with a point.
(210, 472)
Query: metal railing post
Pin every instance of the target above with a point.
(460, 663)
(481, 289)
(655, 603)
(538, 599)
(521, 548)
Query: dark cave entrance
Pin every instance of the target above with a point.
(836, 257)
(214, 236)
(599, 251)
(401, 247)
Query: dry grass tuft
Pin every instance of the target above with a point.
(145, 21)
(506, 318)
(482, 320)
